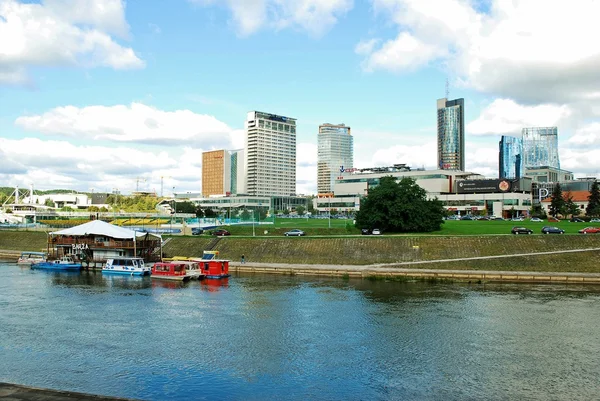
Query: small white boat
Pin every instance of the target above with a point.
(124, 265)
(192, 270)
(28, 258)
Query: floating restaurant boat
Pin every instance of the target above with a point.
(128, 266)
(175, 270)
(212, 266)
(28, 258)
(64, 263)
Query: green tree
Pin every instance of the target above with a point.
(571, 208)
(538, 211)
(48, 202)
(399, 207)
(300, 210)
(209, 213)
(245, 215)
(593, 206)
(557, 202)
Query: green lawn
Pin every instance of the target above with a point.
(449, 228)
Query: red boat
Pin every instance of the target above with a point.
(170, 271)
(212, 266)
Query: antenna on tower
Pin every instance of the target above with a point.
(447, 89)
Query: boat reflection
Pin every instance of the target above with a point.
(169, 284)
(214, 284)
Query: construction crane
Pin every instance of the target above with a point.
(137, 183)
(162, 177)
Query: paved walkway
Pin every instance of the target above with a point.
(15, 392)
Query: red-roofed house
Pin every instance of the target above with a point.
(579, 197)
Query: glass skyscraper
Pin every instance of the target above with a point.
(451, 134)
(335, 152)
(540, 147)
(511, 159)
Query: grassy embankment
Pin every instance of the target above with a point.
(364, 250)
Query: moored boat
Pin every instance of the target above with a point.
(128, 266)
(174, 270)
(64, 263)
(192, 269)
(212, 266)
(28, 258)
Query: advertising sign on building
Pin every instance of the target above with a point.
(483, 186)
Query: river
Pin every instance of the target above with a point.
(258, 337)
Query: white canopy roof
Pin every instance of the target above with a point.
(99, 227)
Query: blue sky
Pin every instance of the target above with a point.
(103, 94)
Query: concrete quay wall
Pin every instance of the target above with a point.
(398, 272)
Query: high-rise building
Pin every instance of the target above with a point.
(451, 134)
(222, 172)
(271, 154)
(540, 147)
(511, 159)
(335, 152)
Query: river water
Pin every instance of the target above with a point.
(259, 337)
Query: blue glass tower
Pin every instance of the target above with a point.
(540, 147)
(451, 134)
(511, 159)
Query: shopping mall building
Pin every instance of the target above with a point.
(459, 191)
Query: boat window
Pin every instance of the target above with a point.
(206, 266)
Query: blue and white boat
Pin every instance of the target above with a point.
(64, 263)
(128, 266)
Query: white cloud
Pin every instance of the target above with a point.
(414, 156)
(62, 32)
(583, 162)
(586, 136)
(483, 160)
(134, 123)
(514, 50)
(506, 117)
(406, 52)
(51, 164)
(306, 170)
(312, 16)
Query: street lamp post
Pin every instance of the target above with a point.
(329, 211)
(253, 233)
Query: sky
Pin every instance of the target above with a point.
(105, 95)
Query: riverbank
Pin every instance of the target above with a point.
(489, 253)
(15, 392)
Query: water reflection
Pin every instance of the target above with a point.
(297, 338)
(214, 284)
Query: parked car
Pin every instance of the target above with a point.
(552, 230)
(517, 219)
(467, 217)
(536, 219)
(376, 231)
(521, 230)
(365, 231)
(595, 221)
(590, 230)
(294, 233)
(576, 220)
(221, 233)
(197, 231)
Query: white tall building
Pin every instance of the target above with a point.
(335, 153)
(271, 154)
